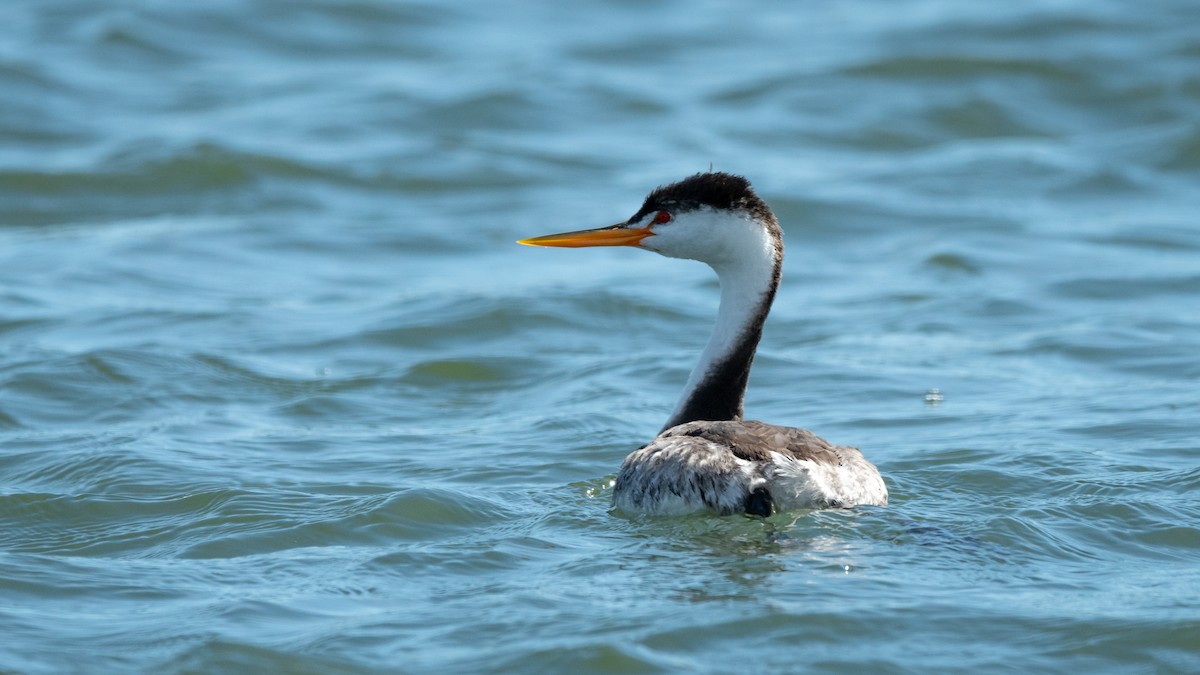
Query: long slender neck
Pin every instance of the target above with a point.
(717, 385)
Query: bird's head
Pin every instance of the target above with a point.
(711, 217)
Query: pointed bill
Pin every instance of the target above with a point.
(616, 235)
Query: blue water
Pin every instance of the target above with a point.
(278, 392)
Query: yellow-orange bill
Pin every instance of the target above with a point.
(617, 235)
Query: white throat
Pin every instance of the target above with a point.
(743, 254)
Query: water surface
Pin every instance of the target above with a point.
(278, 393)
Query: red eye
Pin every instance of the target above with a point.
(662, 217)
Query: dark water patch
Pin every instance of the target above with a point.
(229, 655)
(581, 431)
(1164, 644)
(114, 386)
(1126, 288)
(1103, 183)
(1132, 430)
(93, 525)
(183, 35)
(611, 657)
(89, 460)
(432, 322)
(329, 30)
(827, 222)
(498, 111)
(1139, 525)
(979, 118)
(1004, 308)
(135, 40)
(952, 262)
(881, 137)
(820, 628)
(1028, 537)
(626, 47)
(17, 74)
(486, 385)
(476, 317)
(431, 560)
(203, 167)
(240, 378)
(67, 579)
(257, 526)
(965, 66)
(230, 523)
(69, 388)
(1153, 238)
(1043, 25)
(952, 119)
(1184, 153)
(314, 408)
(47, 132)
(142, 182)
(1119, 351)
(480, 372)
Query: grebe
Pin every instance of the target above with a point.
(707, 458)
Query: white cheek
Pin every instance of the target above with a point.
(669, 242)
(704, 235)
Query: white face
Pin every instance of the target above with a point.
(719, 238)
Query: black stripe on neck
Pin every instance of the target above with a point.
(721, 391)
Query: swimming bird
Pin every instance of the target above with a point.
(707, 458)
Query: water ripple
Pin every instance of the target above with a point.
(278, 392)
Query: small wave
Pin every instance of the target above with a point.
(148, 181)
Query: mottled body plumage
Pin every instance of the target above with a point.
(720, 466)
